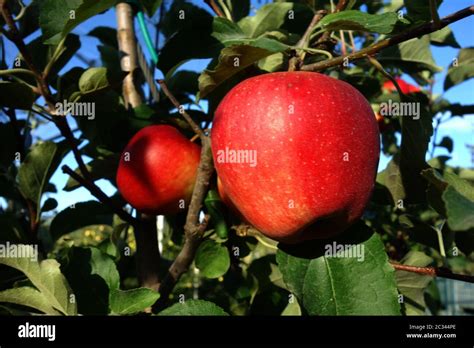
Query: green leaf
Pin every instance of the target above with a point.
(268, 17)
(462, 68)
(193, 307)
(412, 56)
(47, 278)
(132, 301)
(37, 168)
(392, 179)
(24, 95)
(78, 216)
(29, 297)
(457, 197)
(412, 285)
(341, 285)
(58, 18)
(293, 309)
(212, 259)
(151, 6)
(234, 59)
(93, 80)
(93, 276)
(360, 21)
(444, 37)
(459, 208)
(216, 209)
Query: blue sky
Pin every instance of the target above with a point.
(460, 129)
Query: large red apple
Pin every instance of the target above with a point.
(297, 153)
(157, 170)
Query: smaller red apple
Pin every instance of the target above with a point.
(157, 170)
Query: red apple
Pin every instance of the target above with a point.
(404, 86)
(309, 148)
(157, 170)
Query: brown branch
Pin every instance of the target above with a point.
(434, 272)
(212, 4)
(405, 36)
(296, 61)
(193, 229)
(100, 195)
(128, 50)
(186, 116)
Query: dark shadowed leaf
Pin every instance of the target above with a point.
(58, 18)
(24, 95)
(92, 274)
(151, 6)
(38, 167)
(78, 216)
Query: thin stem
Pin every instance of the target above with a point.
(16, 71)
(212, 4)
(434, 272)
(181, 110)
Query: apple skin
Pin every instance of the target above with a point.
(302, 187)
(404, 86)
(161, 170)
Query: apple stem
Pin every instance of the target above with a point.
(433, 272)
(181, 110)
